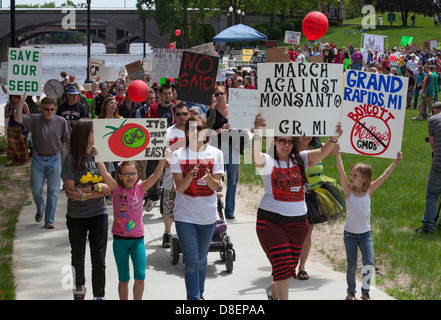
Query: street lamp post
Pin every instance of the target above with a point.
(243, 17)
(144, 7)
(230, 16)
(13, 40)
(88, 41)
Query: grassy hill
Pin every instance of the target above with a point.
(423, 31)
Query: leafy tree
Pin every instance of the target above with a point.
(406, 7)
(177, 14)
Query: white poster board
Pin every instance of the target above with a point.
(300, 99)
(373, 42)
(373, 112)
(109, 73)
(95, 66)
(206, 48)
(166, 63)
(53, 88)
(25, 69)
(130, 139)
(292, 37)
(242, 108)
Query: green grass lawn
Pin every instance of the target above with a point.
(423, 31)
(396, 211)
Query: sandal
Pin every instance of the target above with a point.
(270, 294)
(303, 275)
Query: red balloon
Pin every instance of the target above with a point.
(171, 45)
(392, 58)
(138, 91)
(315, 25)
(178, 32)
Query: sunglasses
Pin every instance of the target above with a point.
(200, 128)
(285, 141)
(182, 114)
(49, 109)
(129, 174)
(219, 94)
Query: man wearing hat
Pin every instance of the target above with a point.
(71, 109)
(433, 191)
(99, 99)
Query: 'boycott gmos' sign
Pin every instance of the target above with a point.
(24, 71)
(373, 113)
(300, 99)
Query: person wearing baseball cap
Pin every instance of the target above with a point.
(99, 99)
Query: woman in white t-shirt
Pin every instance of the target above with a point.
(282, 222)
(197, 169)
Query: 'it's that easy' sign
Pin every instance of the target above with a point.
(24, 71)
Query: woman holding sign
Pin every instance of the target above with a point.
(197, 169)
(282, 223)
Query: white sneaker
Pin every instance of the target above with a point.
(149, 205)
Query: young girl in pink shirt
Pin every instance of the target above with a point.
(128, 227)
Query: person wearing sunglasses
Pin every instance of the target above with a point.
(282, 223)
(197, 169)
(49, 133)
(175, 140)
(218, 115)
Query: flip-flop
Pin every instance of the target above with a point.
(303, 275)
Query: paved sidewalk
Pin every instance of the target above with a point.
(42, 265)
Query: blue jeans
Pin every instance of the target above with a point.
(432, 194)
(353, 241)
(46, 168)
(195, 242)
(232, 168)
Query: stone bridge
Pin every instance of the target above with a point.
(116, 28)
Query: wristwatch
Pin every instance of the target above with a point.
(256, 137)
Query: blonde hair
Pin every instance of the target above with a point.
(366, 172)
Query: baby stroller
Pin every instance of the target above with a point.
(220, 242)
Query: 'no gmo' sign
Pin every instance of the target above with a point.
(24, 71)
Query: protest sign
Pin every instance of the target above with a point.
(242, 108)
(109, 73)
(276, 55)
(135, 70)
(130, 139)
(25, 71)
(94, 68)
(166, 63)
(197, 77)
(373, 113)
(300, 99)
(53, 88)
(316, 58)
(406, 41)
(373, 42)
(247, 54)
(147, 64)
(206, 48)
(292, 37)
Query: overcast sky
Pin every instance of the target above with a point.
(94, 3)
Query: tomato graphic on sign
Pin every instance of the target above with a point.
(128, 140)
